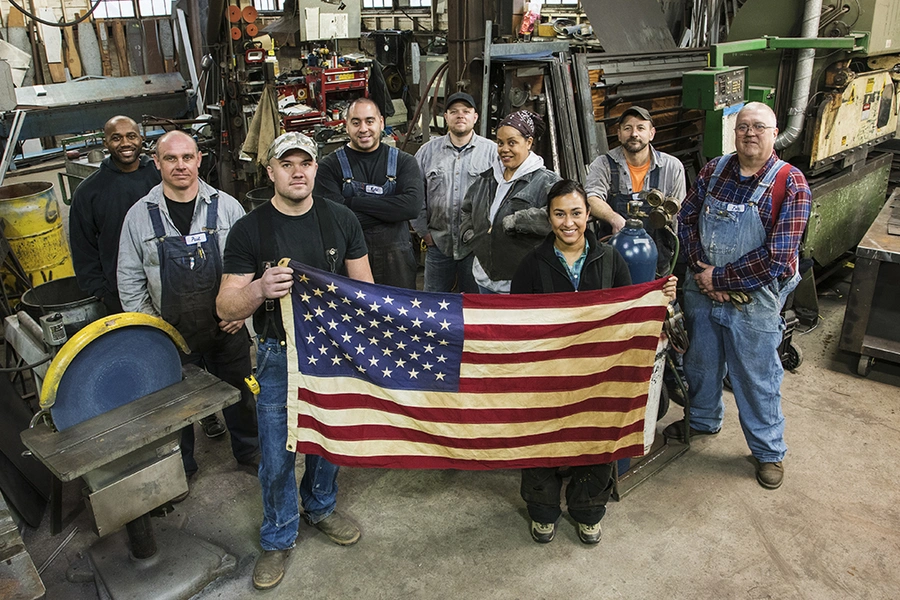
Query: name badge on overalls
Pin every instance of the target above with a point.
(196, 238)
(374, 189)
(736, 208)
(635, 195)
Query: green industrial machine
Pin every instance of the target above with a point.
(830, 70)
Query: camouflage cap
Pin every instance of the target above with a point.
(291, 141)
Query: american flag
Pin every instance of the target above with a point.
(387, 377)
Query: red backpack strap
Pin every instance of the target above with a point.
(779, 189)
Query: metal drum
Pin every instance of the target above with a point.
(63, 296)
(258, 196)
(35, 232)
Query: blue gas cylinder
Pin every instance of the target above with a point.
(638, 249)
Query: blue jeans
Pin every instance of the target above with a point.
(442, 272)
(318, 487)
(743, 343)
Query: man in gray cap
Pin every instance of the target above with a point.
(450, 163)
(630, 169)
(324, 235)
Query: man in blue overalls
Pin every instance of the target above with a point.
(629, 171)
(170, 266)
(384, 189)
(741, 227)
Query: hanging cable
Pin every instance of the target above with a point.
(83, 17)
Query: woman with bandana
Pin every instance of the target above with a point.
(504, 214)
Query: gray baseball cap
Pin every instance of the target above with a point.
(291, 141)
(638, 111)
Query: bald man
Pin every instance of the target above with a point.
(741, 227)
(99, 205)
(184, 221)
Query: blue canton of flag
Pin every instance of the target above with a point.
(392, 337)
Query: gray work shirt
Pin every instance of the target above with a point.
(140, 287)
(448, 174)
(671, 175)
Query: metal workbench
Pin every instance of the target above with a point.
(872, 319)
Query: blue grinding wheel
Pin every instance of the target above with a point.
(114, 369)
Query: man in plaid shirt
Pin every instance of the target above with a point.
(743, 250)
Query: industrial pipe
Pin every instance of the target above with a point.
(802, 77)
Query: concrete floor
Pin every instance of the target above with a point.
(702, 528)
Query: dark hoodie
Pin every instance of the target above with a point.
(99, 205)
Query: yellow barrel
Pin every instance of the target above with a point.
(34, 228)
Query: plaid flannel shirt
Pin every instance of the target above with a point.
(777, 257)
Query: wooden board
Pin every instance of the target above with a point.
(135, 38)
(167, 45)
(103, 38)
(73, 59)
(152, 52)
(91, 59)
(121, 48)
(52, 46)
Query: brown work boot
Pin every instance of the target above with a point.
(269, 569)
(339, 528)
(770, 475)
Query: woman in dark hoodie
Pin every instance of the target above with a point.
(570, 259)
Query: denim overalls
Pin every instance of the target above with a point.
(665, 244)
(190, 269)
(390, 248)
(745, 338)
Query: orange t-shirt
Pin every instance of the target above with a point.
(637, 176)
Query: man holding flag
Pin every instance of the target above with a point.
(321, 234)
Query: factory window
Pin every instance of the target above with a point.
(155, 8)
(391, 4)
(562, 2)
(268, 5)
(114, 9)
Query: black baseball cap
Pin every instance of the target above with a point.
(460, 97)
(638, 111)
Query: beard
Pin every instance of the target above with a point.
(634, 146)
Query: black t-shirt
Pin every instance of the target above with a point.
(296, 237)
(182, 214)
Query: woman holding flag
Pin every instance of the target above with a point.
(570, 259)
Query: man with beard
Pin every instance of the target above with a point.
(382, 186)
(627, 171)
(450, 163)
(99, 206)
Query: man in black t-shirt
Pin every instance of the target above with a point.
(382, 186)
(291, 225)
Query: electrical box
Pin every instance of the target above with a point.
(714, 88)
(329, 19)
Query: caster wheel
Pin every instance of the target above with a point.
(792, 358)
(864, 366)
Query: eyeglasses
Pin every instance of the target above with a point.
(757, 127)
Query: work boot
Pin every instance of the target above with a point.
(675, 431)
(543, 533)
(340, 529)
(590, 534)
(770, 475)
(269, 569)
(212, 426)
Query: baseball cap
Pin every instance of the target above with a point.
(638, 111)
(461, 97)
(291, 141)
